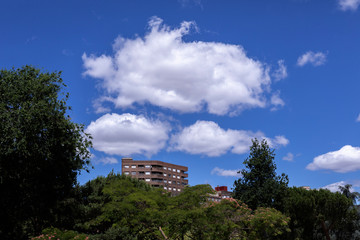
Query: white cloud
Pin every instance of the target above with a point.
(225, 173)
(358, 118)
(289, 157)
(164, 70)
(281, 72)
(347, 159)
(316, 59)
(208, 138)
(128, 134)
(108, 160)
(348, 4)
(334, 187)
(276, 101)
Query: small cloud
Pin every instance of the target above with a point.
(67, 52)
(276, 101)
(358, 118)
(226, 173)
(316, 59)
(281, 72)
(108, 160)
(31, 39)
(289, 157)
(347, 159)
(351, 5)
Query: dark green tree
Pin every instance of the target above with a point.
(346, 191)
(41, 151)
(259, 186)
(319, 214)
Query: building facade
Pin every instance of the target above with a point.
(221, 193)
(170, 177)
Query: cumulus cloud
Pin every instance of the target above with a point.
(347, 159)
(316, 59)
(164, 70)
(348, 4)
(208, 138)
(225, 173)
(128, 134)
(281, 72)
(289, 157)
(334, 187)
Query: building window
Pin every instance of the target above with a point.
(178, 171)
(133, 173)
(126, 166)
(147, 173)
(165, 174)
(170, 188)
(174, 170)
(147, 179)
(164, 168)
(165, 181)
(133, 166)
(174, 189)
(174, 176)
(148, 166)
(169, 169)
(178, 177)
(169, 182)
(126, 173)
(179, 189)
(165, 188)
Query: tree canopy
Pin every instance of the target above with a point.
(41, 150)
(259, 185)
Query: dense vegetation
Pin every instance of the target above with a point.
(42, 151)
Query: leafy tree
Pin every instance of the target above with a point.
(41, 150)
(346, 190)
(259, 186)
(318, 214)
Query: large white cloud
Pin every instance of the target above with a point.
(349, 4)
(186, 76)
(315, 59)
(208, 138)
(128, 134)
(226, 173)
(347, 159)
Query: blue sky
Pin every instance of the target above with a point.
(191, 82)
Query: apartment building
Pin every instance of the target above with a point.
(220, 194)
(170, 177)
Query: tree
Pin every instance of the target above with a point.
(41, 150)
(259, 186)
(346, 191)
(319, 214)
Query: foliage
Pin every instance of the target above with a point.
(346, 190)
(41, 150)
(259, 185)
(268, 223)
(319, 214)
(122, 205)
(54, 234)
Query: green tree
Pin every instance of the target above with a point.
(319, 214)
(346, 191)
(41, 150)
(259, 186)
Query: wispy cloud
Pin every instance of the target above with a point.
(351, 5)
(226, 173)
(289, 157)
(280, 72)
(315, 59)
